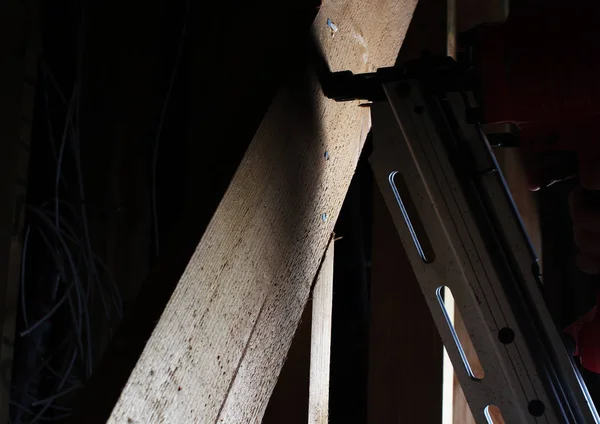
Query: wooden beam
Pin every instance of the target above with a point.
(320, 344)
(194, 173)
(217, 350)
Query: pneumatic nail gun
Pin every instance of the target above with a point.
(458, 223)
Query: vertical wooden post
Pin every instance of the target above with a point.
(448, 377)
(320, 346)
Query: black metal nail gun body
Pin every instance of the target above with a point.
(461, 231)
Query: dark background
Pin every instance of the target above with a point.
(222, 63)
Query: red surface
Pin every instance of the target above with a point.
(586, 334)
(541, 70)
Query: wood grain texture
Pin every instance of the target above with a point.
(217, 350)
(320, 346)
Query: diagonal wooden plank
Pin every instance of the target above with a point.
(217, 350)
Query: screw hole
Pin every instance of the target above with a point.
(419, 110)
(506, 335)
(536, 408)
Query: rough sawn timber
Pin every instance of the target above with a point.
(219, 346)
